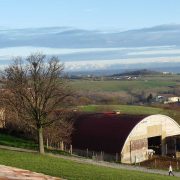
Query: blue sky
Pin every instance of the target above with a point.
(88, 14)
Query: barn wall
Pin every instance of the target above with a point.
(136, 145)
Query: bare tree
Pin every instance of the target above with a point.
(60, 131)
(34, 89)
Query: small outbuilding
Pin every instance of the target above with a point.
(133, 137)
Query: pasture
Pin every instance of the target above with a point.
(150, 83)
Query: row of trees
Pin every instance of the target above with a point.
(33, 92)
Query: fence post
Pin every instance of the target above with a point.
(101, 156)
(177, 165)
(71, 149)
(93, 157)
(47, 144)
(116, 157)
(62, 146)
(87, 153)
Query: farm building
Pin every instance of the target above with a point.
(172, 100)
(131, 136)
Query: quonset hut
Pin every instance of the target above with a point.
(131, 136)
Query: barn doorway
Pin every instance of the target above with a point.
(155, 144)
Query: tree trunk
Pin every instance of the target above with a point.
(41, 144)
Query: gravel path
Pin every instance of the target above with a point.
(99, 163)
(116, 165)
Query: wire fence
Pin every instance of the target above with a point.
(155, 162)
(95, 155)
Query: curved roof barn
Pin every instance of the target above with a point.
(128, 135)
(103, 132)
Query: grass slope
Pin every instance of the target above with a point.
(126, 109)
(9, 140)
(12, 141)
(69, 169)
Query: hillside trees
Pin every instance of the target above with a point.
(34, 89)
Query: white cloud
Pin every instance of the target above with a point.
(8, 53)
(26, 50)
(156, 52)
(104, 64)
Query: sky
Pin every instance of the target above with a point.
(88, 14)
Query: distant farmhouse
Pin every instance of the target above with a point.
(172, 100)
(167, 99)
(133, 137)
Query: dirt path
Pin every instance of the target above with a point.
(11, 173)
(99, 163)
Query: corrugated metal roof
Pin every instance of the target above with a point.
(103, 131)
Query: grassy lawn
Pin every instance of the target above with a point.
(12, 141)
(8, 140)
(69, 169)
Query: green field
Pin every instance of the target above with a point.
(123, 91)
(125, 109)
(122, 85)
(130, 109)
(69, 169)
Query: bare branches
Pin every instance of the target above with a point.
(35, 88)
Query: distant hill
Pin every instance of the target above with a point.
(138, 73)
(66, 37)
(92, 50)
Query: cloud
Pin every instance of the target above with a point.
(26, 50)
(94, 63)
(156, 52)
(105, 64)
